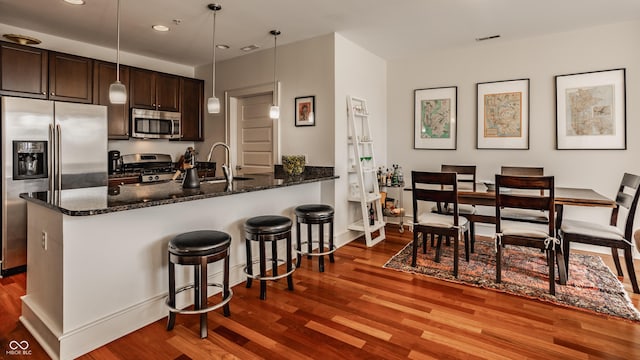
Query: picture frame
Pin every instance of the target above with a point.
(435, 118)
(305, 107)
(503, 114)
(591, 110)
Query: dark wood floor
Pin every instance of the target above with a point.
(358, 310)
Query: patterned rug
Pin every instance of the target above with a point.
(591, 285)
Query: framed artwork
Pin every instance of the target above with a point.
(591, 110)
(305, 107)
(435, 115)
(503, 114)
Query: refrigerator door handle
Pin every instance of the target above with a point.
(51, 162)
(59, 157)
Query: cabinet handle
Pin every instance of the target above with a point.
(44, 93)
(53, 94)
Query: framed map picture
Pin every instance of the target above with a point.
(591, 110)
(503, 114)
(435, 112)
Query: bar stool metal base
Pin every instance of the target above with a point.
(224, 301)
(328, 251)
(274, 277)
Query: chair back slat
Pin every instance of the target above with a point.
(624, 200)
(521, 171)
(434, 195)
(466, 175)
(543, 199)
(630, 181)
(525, 202)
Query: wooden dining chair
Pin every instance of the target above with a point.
(587, 232)
(466, 182)
(437, 187)
(514, 192)
(541, 217)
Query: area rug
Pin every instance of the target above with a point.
(591, 286)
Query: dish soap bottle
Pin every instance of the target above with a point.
(372, 219)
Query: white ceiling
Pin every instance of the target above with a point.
(390, 29)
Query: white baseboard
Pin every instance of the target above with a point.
(76, 342)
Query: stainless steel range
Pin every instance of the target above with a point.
(152, 167)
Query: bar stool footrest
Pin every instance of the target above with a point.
(199, 311)
(328, 252)
(279, 276)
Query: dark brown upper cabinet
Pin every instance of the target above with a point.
(154, 90)
(192, 109)
(23, 71)
(70, 78)
(104, 74)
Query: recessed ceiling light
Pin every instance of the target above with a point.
(160, 28)
(250, 47)
(223, 46)
(487, 38)
(22, 39)
(75, 2)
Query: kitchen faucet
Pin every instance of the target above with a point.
(227, 169)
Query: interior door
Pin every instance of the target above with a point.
(255, 134)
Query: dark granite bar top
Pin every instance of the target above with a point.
(103, 200)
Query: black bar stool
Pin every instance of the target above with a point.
(199, 248)
(268, 228)
(315, 214)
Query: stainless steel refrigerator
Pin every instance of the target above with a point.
(46, 146)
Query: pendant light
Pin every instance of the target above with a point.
(213, 103)
(274, 111)
(117, 90)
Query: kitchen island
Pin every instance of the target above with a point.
(97, 257)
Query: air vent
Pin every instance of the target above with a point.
(487, 38)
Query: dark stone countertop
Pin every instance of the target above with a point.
(103, 200)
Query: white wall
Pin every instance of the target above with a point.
(358, 73)
(303, 68)
(539, 59)
(329, 67)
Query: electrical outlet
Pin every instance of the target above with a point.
(44, 240)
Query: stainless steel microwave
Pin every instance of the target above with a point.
(152, 124)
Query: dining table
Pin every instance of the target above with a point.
(564, 196)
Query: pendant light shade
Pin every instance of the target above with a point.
(117, 93)
(274, 111)
(213, 104)
(117, 90)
